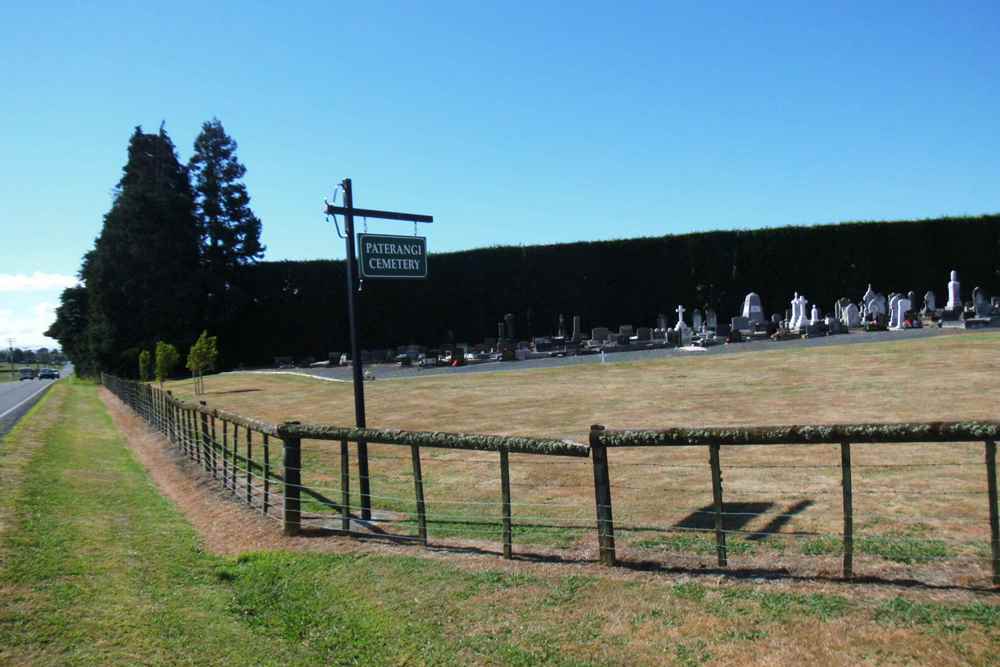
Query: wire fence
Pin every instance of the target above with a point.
(485, 491)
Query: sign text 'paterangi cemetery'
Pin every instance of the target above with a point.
(383, 256)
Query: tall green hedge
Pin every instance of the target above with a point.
(298, 308)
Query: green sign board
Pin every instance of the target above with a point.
(382, 256)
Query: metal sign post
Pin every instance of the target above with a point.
(349, 212)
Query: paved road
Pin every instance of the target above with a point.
(390, 371)
(16, 398)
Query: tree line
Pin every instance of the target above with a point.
(165, 263)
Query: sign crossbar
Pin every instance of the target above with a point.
(380, 215)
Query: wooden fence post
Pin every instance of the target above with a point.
(508, 547)
(267, 472)
(991, 482)
(249, 477)
(418, 490)
(845, 469)
(720, 533)
(345, 486)
(214, 442)
(292, 463)
(205, 442)
(225, 447)
(602, 497)
(194, 442)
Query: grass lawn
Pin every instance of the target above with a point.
(96, 567)
(919, 510)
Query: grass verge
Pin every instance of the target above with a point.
(98, 568)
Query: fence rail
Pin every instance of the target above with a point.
(223, 445)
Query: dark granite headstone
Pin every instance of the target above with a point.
(740, 324)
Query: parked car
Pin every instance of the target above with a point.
(48, 374)
(27, 374)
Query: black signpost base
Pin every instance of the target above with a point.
(348, 211)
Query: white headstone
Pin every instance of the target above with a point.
(711, 319)
(902, 307)
(954, 293)
(878, 305)
(680, 326)
(800, 322)
(850, 316)
(696, 320)
(867, 299)
(893, 312)
(814, 316)
(752, 308)
(793, 323)
(930, 302)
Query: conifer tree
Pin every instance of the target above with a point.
(143, 276)
(230, 231)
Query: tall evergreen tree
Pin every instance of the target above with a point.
(70, 329)
(143, 275)
(230, 230)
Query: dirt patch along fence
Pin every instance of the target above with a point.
(299, 486)
(222, 443)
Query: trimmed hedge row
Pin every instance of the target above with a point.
(298, 308)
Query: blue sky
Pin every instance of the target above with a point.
(510, 123)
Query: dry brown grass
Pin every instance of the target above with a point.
(948, 377)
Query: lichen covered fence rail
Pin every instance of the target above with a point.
(223, 444)
(265, 466)
(938, 433)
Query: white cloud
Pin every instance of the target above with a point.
(28, 327)
(37, 281)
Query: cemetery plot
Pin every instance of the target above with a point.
(918, 510)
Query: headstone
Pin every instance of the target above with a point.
(850, 316)
(893, 311)
(577, 329)
(776, 319)
(814, 316)
(838, 311)
(867, 299)
(680, 326)
(752, 309)
(542, 344)
(930, 303)
(801, 321)
(661, 322)
(981, 302)
(711, 319)
(508, 321)
(954, 293)
(793, 320)
(643, 333)
(912, 296)
(739, 323)
(625, 330)
(696, 321)
(879, 305)
(902, 308)
(599, 334)
(561, 331)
